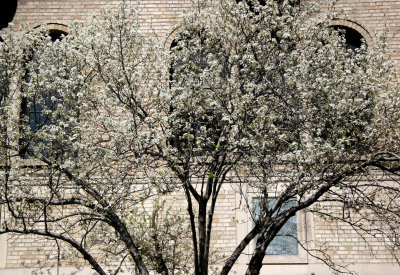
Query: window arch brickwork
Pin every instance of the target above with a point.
(354, 26)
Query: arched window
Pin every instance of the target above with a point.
(33, 107)
(190, 125)
(337, 127)
(7, 12)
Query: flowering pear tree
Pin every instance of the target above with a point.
(78, 115)
(98, 126)
(270, 93)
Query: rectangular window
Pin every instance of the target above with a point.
(285, 242)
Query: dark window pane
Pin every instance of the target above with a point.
(353, 38)
(37, 117)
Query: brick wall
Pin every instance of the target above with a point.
(163, 14)
(365, 16)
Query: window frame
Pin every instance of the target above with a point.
(305, 233)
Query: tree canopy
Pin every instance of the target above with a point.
(100, 126)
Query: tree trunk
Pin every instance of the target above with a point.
(255, 263)
(258, 256)
(202, 226)
(239, 249)
(193, 229)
